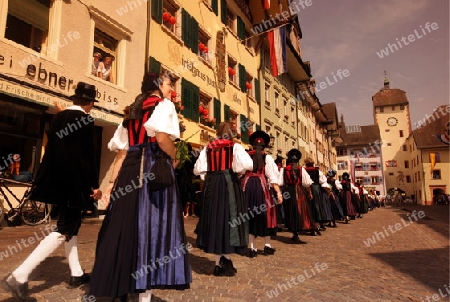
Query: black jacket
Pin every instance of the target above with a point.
(68, 172)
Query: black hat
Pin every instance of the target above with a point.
(331, 173)
(345, 176)
(259, 138)
(85, 91)
(294, 155)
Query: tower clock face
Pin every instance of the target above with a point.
(392, 121)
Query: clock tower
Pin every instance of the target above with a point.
(391, 114)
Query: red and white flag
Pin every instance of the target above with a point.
(277, 46)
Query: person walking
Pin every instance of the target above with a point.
(220, 230)
(320, 206)
(262, 211)
(346, 198)
(333, 196)
(142, 242)
(297, 209)
(68, 178)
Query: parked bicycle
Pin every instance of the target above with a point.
(31, 212)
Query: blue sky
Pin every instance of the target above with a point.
(347, 34)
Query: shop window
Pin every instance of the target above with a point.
(27, 23)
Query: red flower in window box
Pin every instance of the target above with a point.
(231, 71)
(205, 112)
(173, 20)
(248, 85)
(201, 46)
(200, 109)
(166, 16)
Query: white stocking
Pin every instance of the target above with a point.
(47, 246)
(217, 259)
(251, 240)
(267, 241)
(72, 256)
(145, 297)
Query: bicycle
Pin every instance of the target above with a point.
(30, 211)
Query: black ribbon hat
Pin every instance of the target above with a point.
(259, 138)
(85, 91)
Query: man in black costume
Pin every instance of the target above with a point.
(68, 178)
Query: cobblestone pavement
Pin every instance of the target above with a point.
(411, 262)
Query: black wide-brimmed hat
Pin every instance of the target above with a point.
(294, 155)
(345, 176)
(331, 173)
(259, 138)
(85, 91)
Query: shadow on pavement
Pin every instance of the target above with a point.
(46, 272)
(200, 265)
(435, 218)
(429, 267)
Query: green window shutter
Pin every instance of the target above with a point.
(258, 127)
(244, 130)
(223, 11)
(257, 91)
(240, 28)
(195, 103)
(157, 10)
(215, 6)
(154, 65)
(242, 78)
(186, 98)
(217, 111)
(185, 27)
(194, 35)
(226, 113)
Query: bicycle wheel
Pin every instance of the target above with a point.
(34, 212)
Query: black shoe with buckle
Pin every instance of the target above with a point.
(77, 281)
(252, 253)
(227, 264)
(268, 250)
(19, 290)
(218, 271)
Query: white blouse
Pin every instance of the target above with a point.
(242, 162)
(338, 184)
(306, 179)
(164, 119)
(323, 180)
(271, 170)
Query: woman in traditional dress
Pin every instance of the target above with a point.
(222, 229)
(142, 243)
(261, 206)
(346, 198)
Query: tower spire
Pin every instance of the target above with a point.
(386, 80)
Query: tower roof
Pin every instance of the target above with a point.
(390, 97)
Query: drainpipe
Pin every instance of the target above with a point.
(147, 36)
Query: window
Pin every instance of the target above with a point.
(436, 174)
(27, 23)
(231, 19)
(214, 4)
(170, 16)
(107, 47)
(203, 45)
(366, 167)
(401, 133)
(232, 65)
(391, 174)
(249, 85)
(408, 178)
(381, 109)
(402, 107)
(389, 144)
(342, 165)
(406, 164)
(267, 94)
(387, 130)
(277, 101)
(205, 110)
(393, 108)
(285, 109)
(342, 151)
(418, 175)
(405, 148)
(375, 180)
